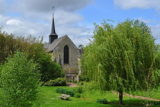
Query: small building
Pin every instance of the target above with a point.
(65, 53)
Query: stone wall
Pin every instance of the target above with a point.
(72, 67)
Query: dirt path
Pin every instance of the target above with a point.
(139, 97)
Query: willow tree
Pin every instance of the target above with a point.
(122, 58)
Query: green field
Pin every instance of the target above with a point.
(49, 98)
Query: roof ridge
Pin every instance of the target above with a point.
(55, 43)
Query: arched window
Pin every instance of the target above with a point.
(66, 55)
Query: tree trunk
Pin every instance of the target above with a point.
(120, 96)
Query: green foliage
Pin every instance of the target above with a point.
(9, 44)
(56, 82)
(34, 48)
(122, 58)
(83, 78)
(79, 90)
(61, 90)
(0, 74)
(77, 95)
(20, 81)
(49, 69)
(102, 101)
(76, 92)
(157, 59)
(65, 91)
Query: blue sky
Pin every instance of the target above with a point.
(74, 17)
(106, 9)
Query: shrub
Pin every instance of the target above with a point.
(20, 81)
(72, 92)
(77, 95)
(61, 90)
(56, 82)
(65, 91)
(102, 101)
(49, 70)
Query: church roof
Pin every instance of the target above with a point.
(54, 44)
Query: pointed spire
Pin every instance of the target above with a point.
(53, 34)
(53, 31)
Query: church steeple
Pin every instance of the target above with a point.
(53, 34)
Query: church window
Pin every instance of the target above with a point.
(66, 55)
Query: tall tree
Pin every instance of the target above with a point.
(122, 58)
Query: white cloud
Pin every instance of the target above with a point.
(35, 19)
(127, 4)
(79, 34)
(65, 17)
(14, 22)
(20, 27)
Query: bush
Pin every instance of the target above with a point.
(61, 90)
(102, 101)
(77, 95)
(65, 91)
(56, 82)
(49, 70)
(20, 81)
(72, 92)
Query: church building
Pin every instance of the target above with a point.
(65, 53)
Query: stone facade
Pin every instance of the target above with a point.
(57, 48)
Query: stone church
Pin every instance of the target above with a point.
(65, 53)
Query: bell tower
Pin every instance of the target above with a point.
(53, 34)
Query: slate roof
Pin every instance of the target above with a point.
(51, 47)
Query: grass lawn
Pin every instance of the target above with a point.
(49, 98)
